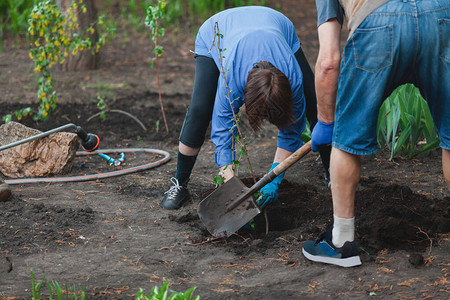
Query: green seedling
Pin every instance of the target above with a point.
(162, 293)
(154, 16)
(103, 107)
(55, 288)
(239, 140)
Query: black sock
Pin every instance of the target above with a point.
(185, 164)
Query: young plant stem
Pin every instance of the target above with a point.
(217, 33)
(157, 79)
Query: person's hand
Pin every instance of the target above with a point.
(322, 134)
(269, 193)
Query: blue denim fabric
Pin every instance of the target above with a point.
(402, 41)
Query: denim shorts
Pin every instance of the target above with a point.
(402, 41)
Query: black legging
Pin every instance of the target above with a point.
(200, 110)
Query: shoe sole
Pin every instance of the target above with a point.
(342, 262)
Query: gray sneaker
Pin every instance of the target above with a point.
(5, 191)
(175, 196)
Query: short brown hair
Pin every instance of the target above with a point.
(268, 96)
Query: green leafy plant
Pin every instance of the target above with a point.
(306, 134)
(103, 107)
(162, 293)
(154, 16)
(53, 37)
(219, 179)
(54, 287)
(405, 124)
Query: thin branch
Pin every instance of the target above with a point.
(157, 79)
(207, 241)
(121, 112)
(217, 31)
(428, 237)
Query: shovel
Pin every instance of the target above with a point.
(233, 205)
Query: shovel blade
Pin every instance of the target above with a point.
(213, 209)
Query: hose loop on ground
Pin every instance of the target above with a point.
(146, 166)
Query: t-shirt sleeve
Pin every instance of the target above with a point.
(329, 9)
(203, 41)
(289, 33)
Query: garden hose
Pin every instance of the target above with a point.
(111, 161)
(90, 143)
(146, 166)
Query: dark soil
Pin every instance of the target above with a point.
(112, 237)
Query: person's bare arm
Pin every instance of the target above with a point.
(227, 172)
(281, 155)
(327, 69)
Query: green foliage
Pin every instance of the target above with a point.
(219, 179)
(199, 10)
(14, 16)
(154, 20)
(54, 287)
(101, 104)
(405, 124)
(53, 36)
(162, 293)
(306, 134)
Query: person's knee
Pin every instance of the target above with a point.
(187, 150)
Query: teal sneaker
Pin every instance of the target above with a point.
(323, 250)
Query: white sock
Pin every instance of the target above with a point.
(343, 231)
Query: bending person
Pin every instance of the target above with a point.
(261, 54)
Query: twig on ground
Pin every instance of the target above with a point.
(206, 241)
(428, 237)
(121, 112)
(245, 240)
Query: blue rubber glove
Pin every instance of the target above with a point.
(269, 193)
(322, 134)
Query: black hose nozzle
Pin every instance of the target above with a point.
(89, 141)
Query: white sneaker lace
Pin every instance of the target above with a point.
(173, 189)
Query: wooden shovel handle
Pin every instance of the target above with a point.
(292, 159)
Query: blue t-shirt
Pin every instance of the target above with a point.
(329, 9)
(249, 35)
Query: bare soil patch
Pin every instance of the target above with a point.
(112, 237)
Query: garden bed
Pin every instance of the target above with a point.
(112, 237)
